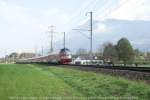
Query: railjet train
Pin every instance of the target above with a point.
(63, 57)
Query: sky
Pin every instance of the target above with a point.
(24, 23)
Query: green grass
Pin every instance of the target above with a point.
(27, 81)
(39, 81)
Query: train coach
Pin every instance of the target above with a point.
(63, 57)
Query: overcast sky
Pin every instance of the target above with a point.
(24, 23)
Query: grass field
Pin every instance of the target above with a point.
(42, 82)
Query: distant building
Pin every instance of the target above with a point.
(86, 60)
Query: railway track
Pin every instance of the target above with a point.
(139, 69)
(128, 68)
(132, 73)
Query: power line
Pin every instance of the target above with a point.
(92, 4)
(128, 1)
(108, 12)
(95, 3)
(84, 8)
(82, 33)
(105, 7)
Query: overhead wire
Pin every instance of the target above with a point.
(92, 6)
(80, 11)
(108, 12)
(125, 2)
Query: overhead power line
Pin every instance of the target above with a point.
(107, 11)
(85, 8)
(85, 35)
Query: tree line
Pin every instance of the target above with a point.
(13, 57)
(122, 52)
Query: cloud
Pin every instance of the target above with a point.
(17, 27)
(24, 29)
(101, 28)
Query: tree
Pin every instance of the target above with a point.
(13, 56)
(110, 53)
(147, 56)
(139, 57)
(125, 51)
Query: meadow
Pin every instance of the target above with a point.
(28, 81)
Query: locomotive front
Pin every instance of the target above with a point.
(65, 56)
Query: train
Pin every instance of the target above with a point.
(62, 57)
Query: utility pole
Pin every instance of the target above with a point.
(64, 40)
(91, 33)
(51, 35)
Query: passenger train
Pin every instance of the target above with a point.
(63, 57)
